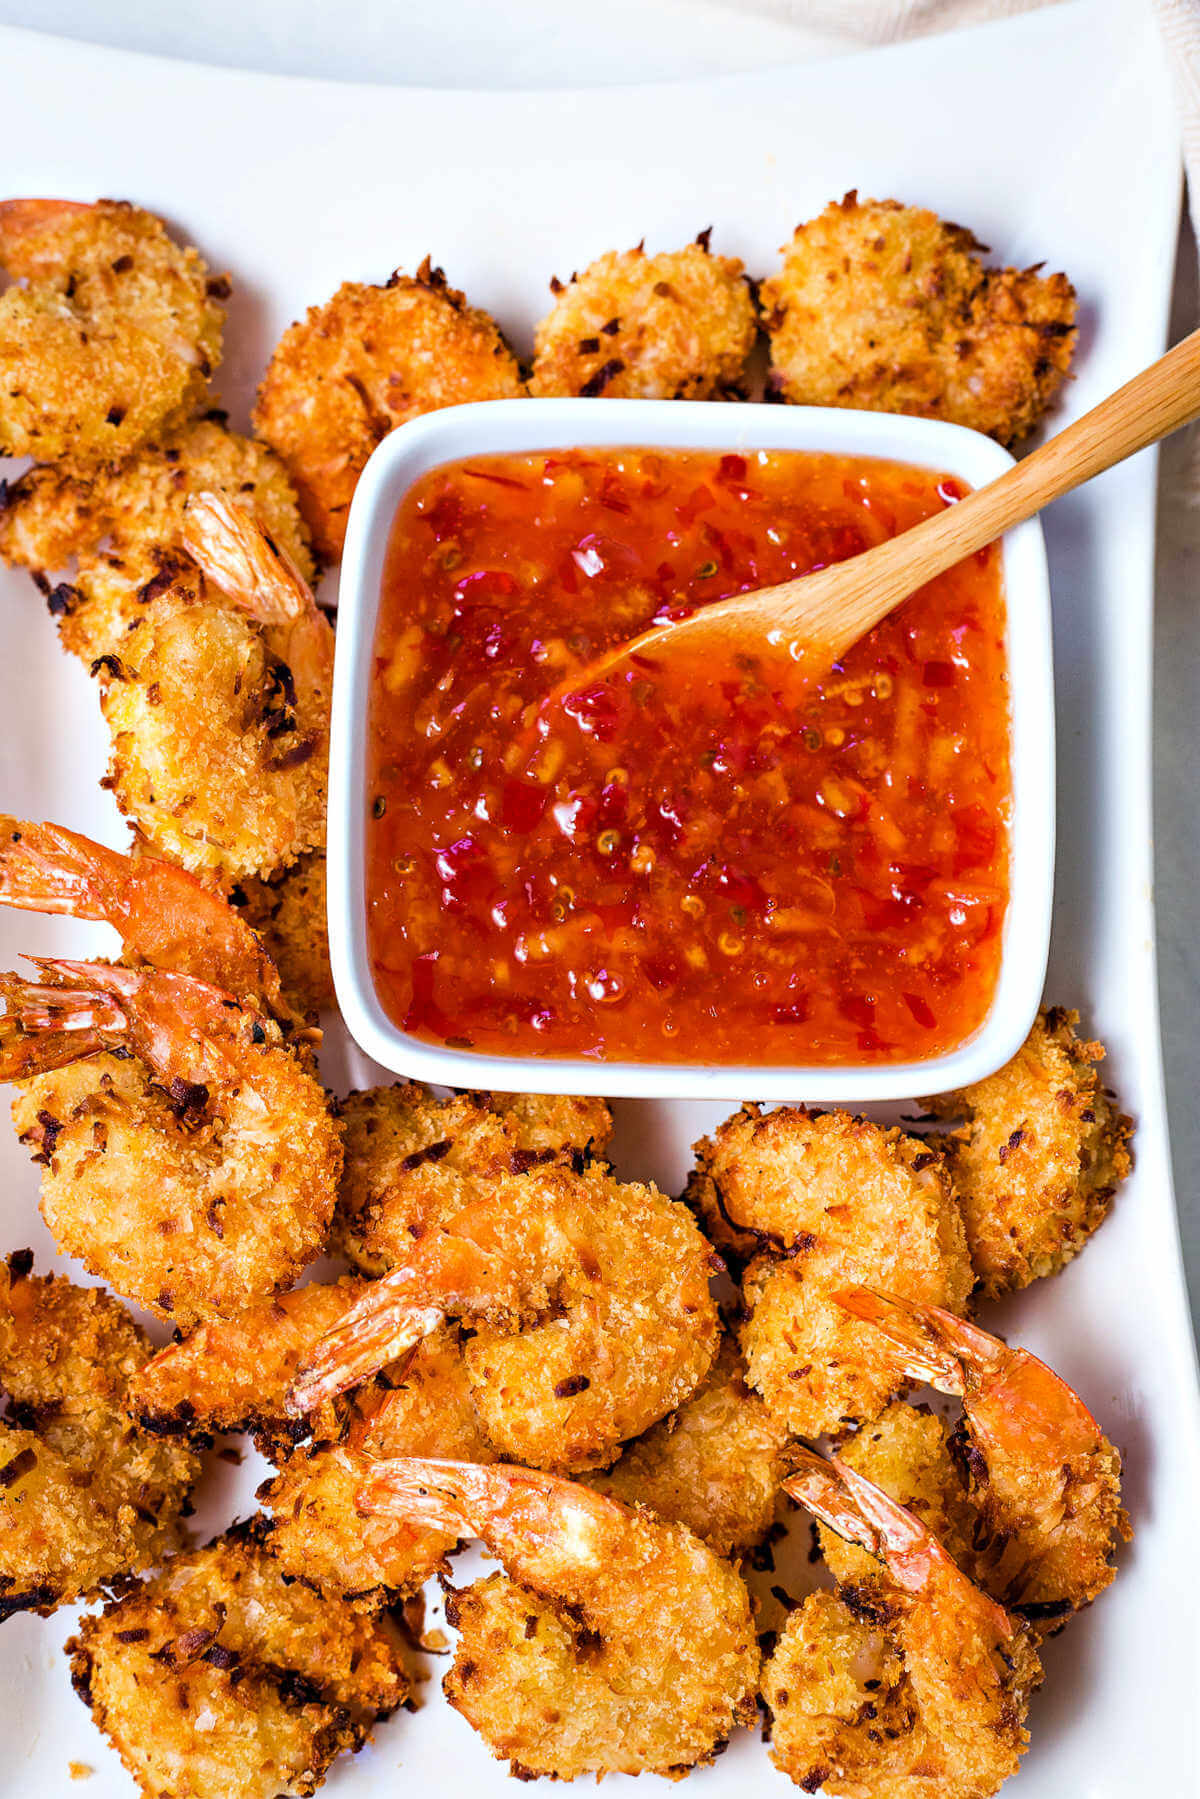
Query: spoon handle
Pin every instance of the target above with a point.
(1151, 406)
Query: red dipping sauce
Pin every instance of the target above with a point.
(684, 861)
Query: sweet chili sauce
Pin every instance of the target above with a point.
(682, 861)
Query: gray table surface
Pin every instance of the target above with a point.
(542, 43)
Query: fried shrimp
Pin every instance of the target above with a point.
(287, 913)
(219, 709)
(412, 1159)
(420, 1406)
(124, 526)
(612, 1643)
(919, 1686)
(833, 1199)
(220, 1676)
(85, 1497)
(1040, 1473)
(164, 916)
(1041, 1157)
(589, 1300)
(353, 369)
(230, 1374)
(888, 308)
(188, 1156)
(677, 326)
(715, 1464)
(108, 333)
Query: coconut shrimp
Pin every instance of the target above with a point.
(164, 916)
(123, 527)
(1040, 1159)
(922, 1686)
(188, 1156)
(887, 307)
(108, 333)
(590, 1304)
(715, 1464)
(837, 1200)
(233, 1374)
(413, 1160)
(422, 1405)
(353, 369)
(677, 326)
(613, 1642)
(219, 710)
(220, 1676)
(85, 1497)
(287, 913)
(1040, 1473)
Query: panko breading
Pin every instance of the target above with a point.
(677, 326)
(288, 912)
(136, 511)
(426, 1158)
(589, 1300)
(1039, 1161)
(109, 332)
(703, 1197)
(886, 307)
(221, 1677)
(233, 1373)
(612, 1643)
(715, 1464)
(420, 1406)
(353, 369)
(920, 1684)
(841, 1200)
(85, 1497)
(195, 1171)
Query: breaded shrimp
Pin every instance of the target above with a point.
(108, 334)
(233, 1373)
(124, 526)
(164, 916)
(677, 326)
(219, 708)
(412, 1159)
(85, 1497)
(715, 1464)
(612, 1643)
(589, 1300)
(1041, 1475)
(888, 308)
(920, 1688)
(422, 1405)
(188, 1156)
(1040, 1158)
(288, 913)
(221, 1677)
(703, 1196)
(353, 369)
(840, 1200)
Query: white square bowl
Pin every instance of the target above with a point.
(523, 426)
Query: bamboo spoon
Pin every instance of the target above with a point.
(817, 617)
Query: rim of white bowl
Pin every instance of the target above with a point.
(523, 426)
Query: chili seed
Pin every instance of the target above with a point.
(379, 807)
(607, 842)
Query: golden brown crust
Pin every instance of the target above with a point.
(887, 307)
(839, 1200)
(85, 1496)
(219, 1676)
(906, 1452)
(288, 912)
(676, 326)
(113, 334)
(353, 369)
(1038, 1164)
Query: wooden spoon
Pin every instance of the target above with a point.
(817, 617)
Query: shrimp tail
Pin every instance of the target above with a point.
(234, 552)
(434, 1494)
(497, 1502)
(928, 1343)
(382, 1327)
(47, 1026)
(44, 868)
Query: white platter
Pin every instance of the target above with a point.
(1051, 136)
